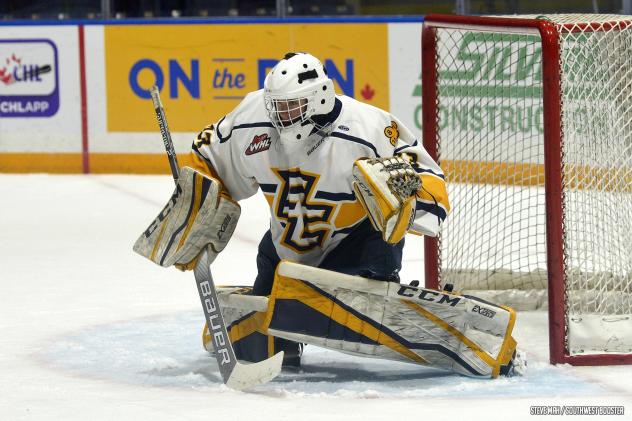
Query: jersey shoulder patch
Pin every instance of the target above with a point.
(259, 143)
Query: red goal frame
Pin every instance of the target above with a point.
(553, 136)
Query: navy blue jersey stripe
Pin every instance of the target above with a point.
(347, 230)
(219, 135)
(431, 208)
(223, 139)
(268, 188)
(334, 197)
(425, 170)
(357, 140)
(198, 153)
(398, 150)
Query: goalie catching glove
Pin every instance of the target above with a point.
(386, 188)
(198, 214)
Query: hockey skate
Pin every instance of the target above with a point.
(517, 366)
(292, 352)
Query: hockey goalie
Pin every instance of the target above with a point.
(345, 182)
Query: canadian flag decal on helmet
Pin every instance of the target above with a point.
(259, 143)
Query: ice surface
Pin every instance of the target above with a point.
(89, 330)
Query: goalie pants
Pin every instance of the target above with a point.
(362, 253)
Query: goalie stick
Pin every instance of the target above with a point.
(235, 375)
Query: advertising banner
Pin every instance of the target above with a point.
(40, 101)
(205, 70)
(29, 86)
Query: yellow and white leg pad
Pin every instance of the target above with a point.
(198, 214)
(370, 318)
(391, 321)
(386, 188)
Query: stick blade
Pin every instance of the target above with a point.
(246, 376)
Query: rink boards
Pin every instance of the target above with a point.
(75, 97)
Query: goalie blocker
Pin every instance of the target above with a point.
(198, 214)
(372, 318)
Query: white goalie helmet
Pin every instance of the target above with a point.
(296, 90)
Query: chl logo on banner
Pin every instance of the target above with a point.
(29, 84)
(260, 143)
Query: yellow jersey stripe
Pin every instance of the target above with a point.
(199, 164)
(433, 189)
(269, 199)
(349, 214)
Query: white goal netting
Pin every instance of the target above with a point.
(491, 146)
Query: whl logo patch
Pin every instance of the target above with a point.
(260, 143)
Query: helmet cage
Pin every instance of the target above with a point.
(287, 112)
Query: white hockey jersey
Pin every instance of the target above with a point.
(308, 185)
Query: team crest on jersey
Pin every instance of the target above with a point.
(392, 133)
(260, 143)
(305, 219)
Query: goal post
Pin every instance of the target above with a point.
(531, 119)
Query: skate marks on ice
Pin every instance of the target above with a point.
(166, 351)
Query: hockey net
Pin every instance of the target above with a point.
(531, 120)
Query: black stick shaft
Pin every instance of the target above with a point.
(224, 354)
(165, 133)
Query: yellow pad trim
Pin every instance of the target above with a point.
(453, 331)
(206, 336)
(196, 208)
(251, 324)
(152, 257)
(401, 226)
(386, 209)
(270, 345)
(506, 347)
(509, 344)
(364, 205)
(289, 288)
(248, 326)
